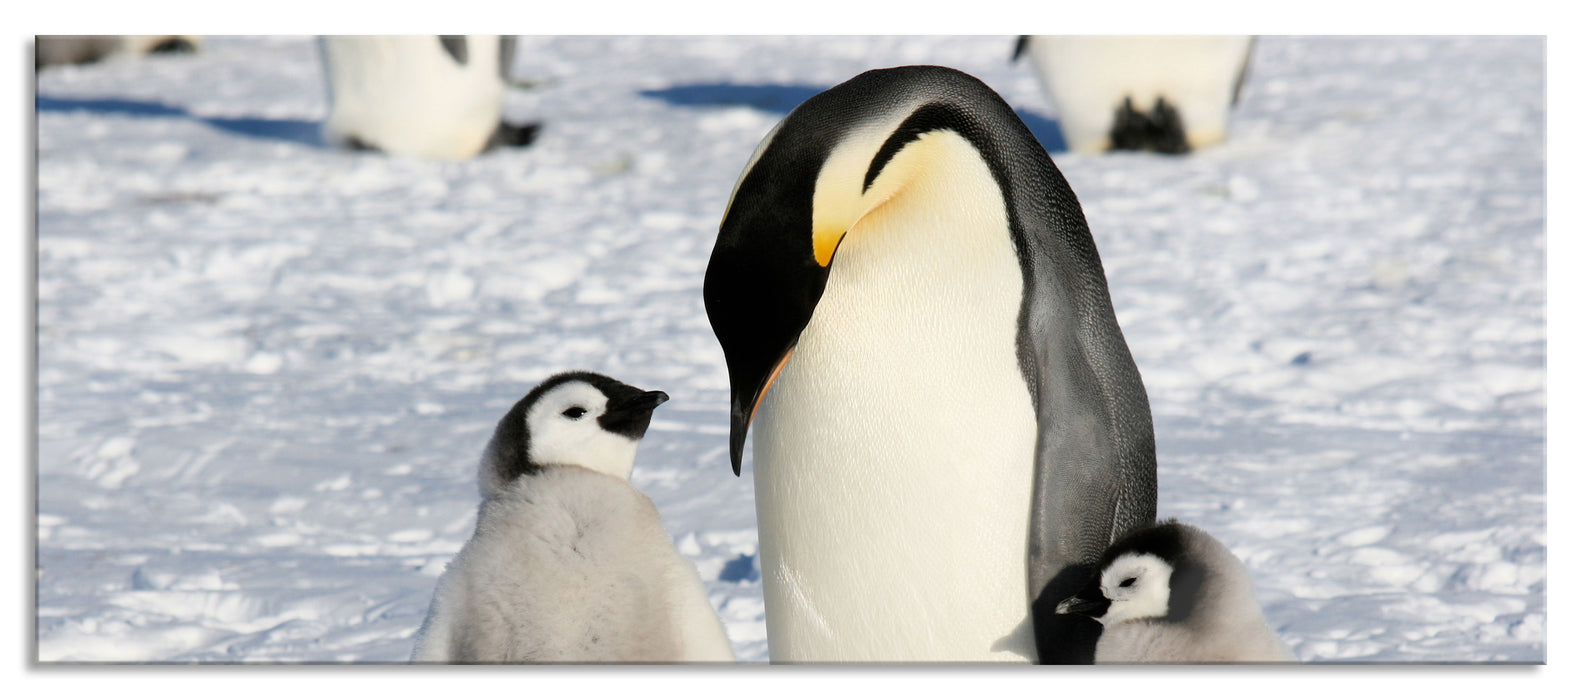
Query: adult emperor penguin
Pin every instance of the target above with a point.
(1172, 594)
(427, 96)
(949, 425)
(1169, 94)
(569, 562)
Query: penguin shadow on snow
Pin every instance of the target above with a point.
(300, 131)
(779, 100)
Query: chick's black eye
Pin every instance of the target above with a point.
(1128, 582)
(574, 412)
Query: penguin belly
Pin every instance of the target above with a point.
(406, 95)
(893, 456)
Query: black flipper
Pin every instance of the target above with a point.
(507, 57)
(1021, 46)
(456, 46)
(1241, 77)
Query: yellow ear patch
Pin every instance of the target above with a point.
(825, 240)
(838, 197)
(839, 201)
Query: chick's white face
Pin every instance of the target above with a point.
(1138, 587)
(563, 428)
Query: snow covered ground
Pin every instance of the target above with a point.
(266, 368)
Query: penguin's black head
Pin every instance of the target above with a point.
(1148, 574)
(763, 279)
(580, 419)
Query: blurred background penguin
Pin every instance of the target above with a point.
(1168, 94)
(437, 97)
(69, 49)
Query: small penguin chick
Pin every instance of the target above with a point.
(1171, 593)
(569, 563)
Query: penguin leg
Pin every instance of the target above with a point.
(1160, 130)
(174, 44)
(513, 135)
(1169, 134)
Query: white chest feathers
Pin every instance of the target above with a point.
(570, 566)
(893, 458)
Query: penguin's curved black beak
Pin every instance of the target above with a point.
(744, 405)
(1079, 605)
(629, 414)
(1090, 601)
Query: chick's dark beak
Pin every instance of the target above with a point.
(1078, 605)
(646, 401)
(629, 415)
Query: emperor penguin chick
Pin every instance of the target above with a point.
(569, 562)
(1172, 594)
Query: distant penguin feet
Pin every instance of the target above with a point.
(1159, 131)
(52, 50)
(175, 44)
(506, 135)
(513, 136)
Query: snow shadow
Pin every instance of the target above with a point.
(776, 99)
(740, 570)
(1046, 130)
(781, 99)
(293, 130)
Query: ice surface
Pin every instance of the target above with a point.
(266, 369)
